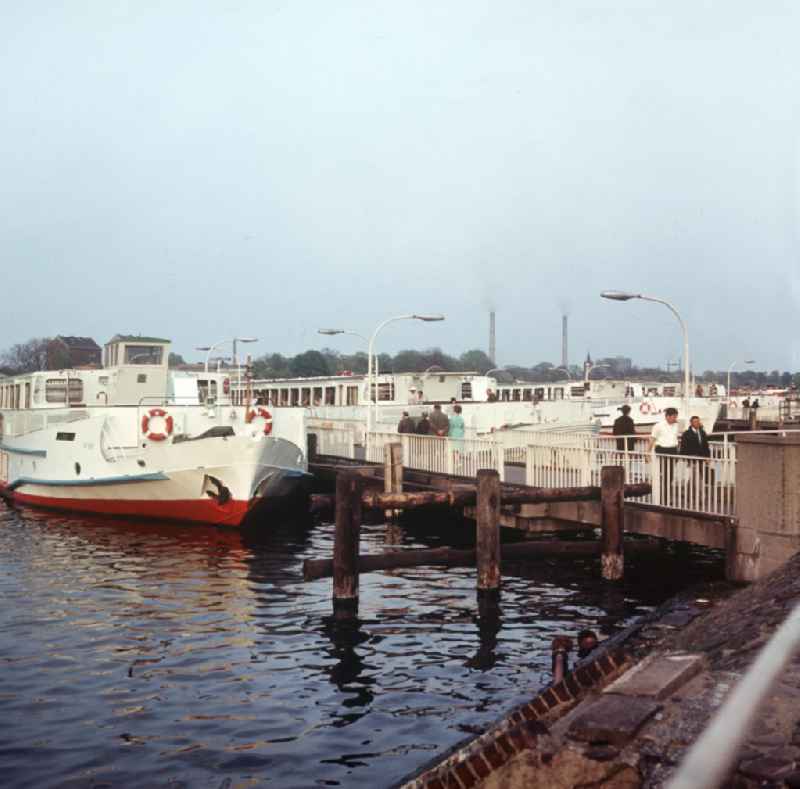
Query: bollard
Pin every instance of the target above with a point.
(488, 537)
(612, 485)
(349, 488)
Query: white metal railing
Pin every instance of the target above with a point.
(704, 485)
(337, 438)
(455, 456)
(560, 459)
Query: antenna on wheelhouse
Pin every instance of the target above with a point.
(564, 355)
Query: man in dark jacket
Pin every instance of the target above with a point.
(623, 426)
(440, 424)
(423, 426)
(406, 424)
(694, 441)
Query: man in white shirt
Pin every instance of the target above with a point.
(664, 437)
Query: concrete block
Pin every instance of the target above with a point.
(613, 719)
(657, 676)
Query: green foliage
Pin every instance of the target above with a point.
(475, 360)
(309, 364)
(175, 359)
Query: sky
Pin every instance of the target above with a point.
(203, 170)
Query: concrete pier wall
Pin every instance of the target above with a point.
(767, 504)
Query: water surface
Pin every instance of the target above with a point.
(161, 655)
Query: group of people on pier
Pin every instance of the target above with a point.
(665, 437)
(437, 424)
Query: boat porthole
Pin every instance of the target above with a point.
(77, 468)
(141, 463)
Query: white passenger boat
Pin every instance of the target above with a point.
(563, 404)
(135, 438)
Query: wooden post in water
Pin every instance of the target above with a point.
(349, 488)
(612, 484)
(488, 537)
(393, 471)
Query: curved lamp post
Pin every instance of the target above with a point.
(234, 340)
(732, 365)
(618, 295)
(565, 369)
(332, 332)
(373, 402)
(593, 367)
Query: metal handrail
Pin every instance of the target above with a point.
(713, 754)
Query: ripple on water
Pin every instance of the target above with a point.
(145, 655)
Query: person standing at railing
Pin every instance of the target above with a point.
(406, 424)
(664, 439)
(423, 426)
(456, 423)
(624, 426)
(440, 424)
(694, 442)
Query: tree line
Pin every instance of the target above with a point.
(32, 355)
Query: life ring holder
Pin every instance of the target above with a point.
(644, 408)
(168, 424)
(264, 414)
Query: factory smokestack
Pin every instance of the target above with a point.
(564, 356)
(492, 347)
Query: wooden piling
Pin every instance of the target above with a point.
(612, 479)
(753, 419)
(488, 537)
(393, 472)
(345, 546)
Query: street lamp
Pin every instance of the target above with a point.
(733, 364)
(234, 340)
(566, 370)
(618, 295)
(372, 403)
(332, 332)
(593, 367)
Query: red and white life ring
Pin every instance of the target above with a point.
(168, 424)
(644, 408)
(226, 385)
(265, 415)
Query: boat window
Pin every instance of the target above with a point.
(466, 390)
(295, 397)
(65, 436)
(352, 395)
(330, 395)
(385, 391)
(202, 390)
(576, 391)
(527, 394)
(143, 354)
(212, 391)
(141, 378)
(55, 390)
